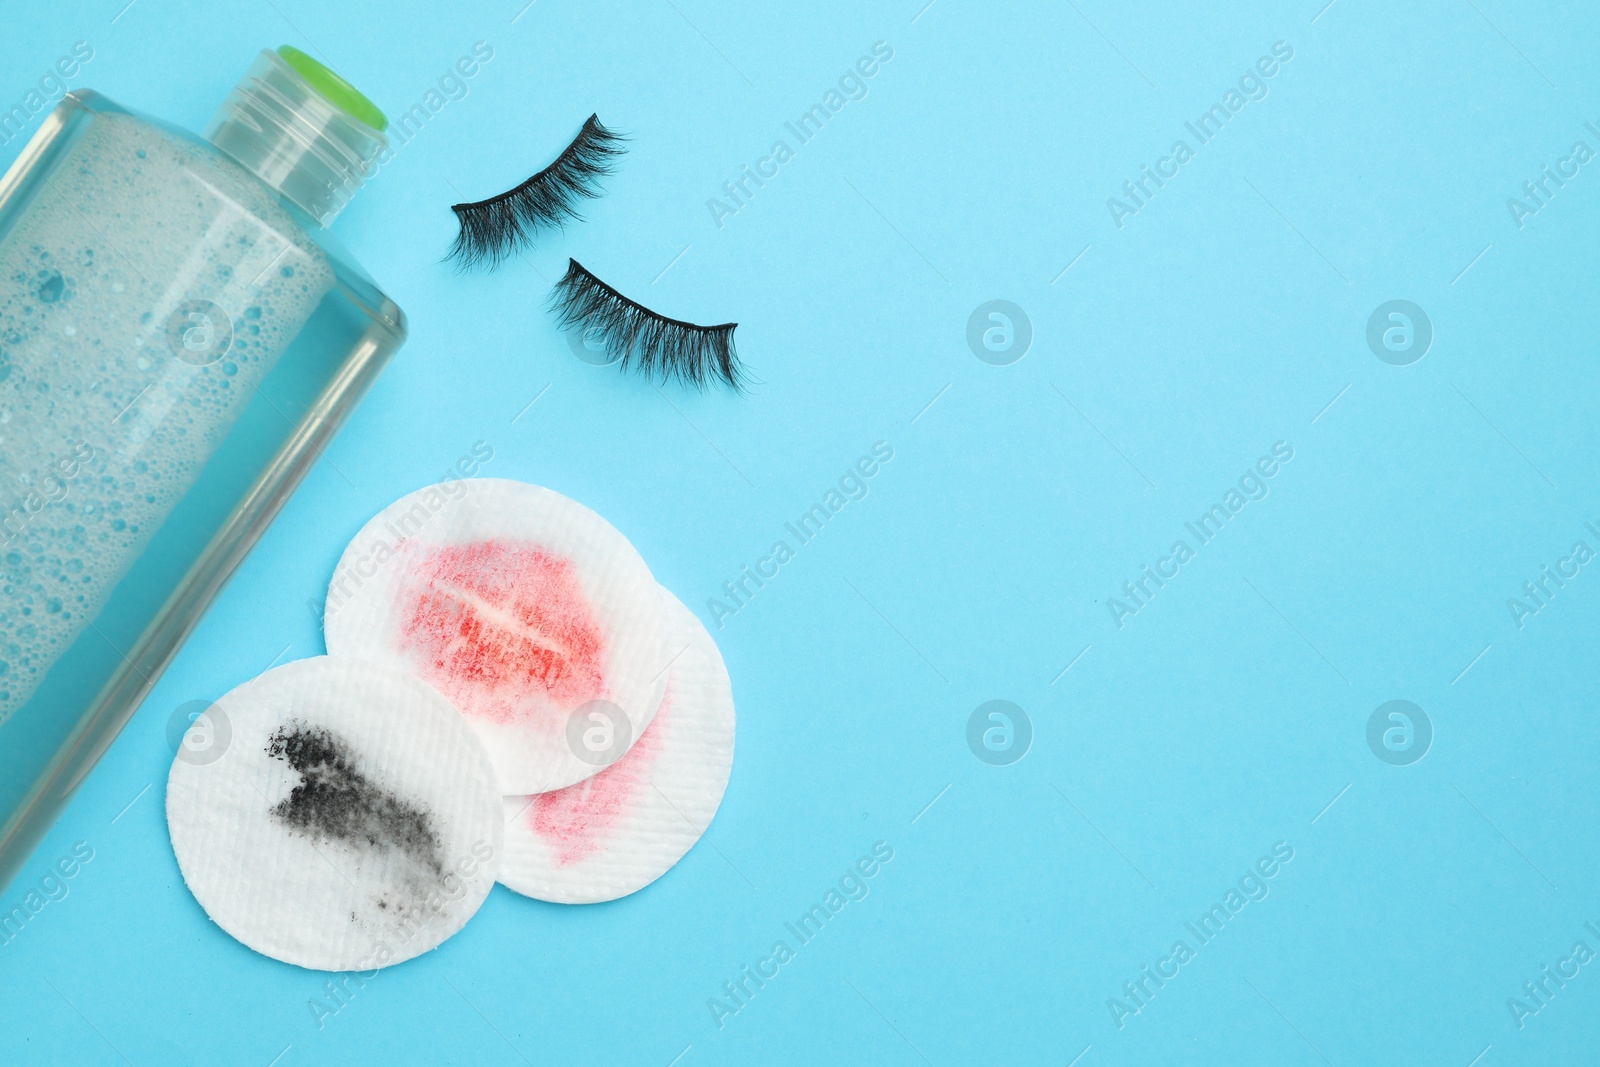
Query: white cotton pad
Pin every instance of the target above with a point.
(525, 608)
(343, 817)
(617, 832)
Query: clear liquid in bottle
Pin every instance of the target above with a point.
(179, 338)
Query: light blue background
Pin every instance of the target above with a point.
(1224, 717)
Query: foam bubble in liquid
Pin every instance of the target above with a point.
(142, 300)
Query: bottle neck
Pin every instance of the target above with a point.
(294, 139)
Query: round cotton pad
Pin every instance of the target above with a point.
(349, 821)
(622, 829)
(528, 610)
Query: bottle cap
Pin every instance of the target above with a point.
(302, 129)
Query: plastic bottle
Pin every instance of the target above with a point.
(179, 339)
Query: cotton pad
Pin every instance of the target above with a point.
(527, 610)
(351, 821)
(617, 832)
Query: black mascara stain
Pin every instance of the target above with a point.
(336, 801)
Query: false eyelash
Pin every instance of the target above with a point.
(493, 229)
(658, 346)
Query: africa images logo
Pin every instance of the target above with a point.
(1252, 85)
(1253, 885)
(853, 885)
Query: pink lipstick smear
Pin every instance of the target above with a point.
(575, 821)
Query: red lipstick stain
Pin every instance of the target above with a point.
(574, 821)
(495, 622)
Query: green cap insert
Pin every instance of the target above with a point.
(338, 92)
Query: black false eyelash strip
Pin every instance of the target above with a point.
(493, 230)
(654, 344)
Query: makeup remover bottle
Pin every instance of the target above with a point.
(179, 340)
